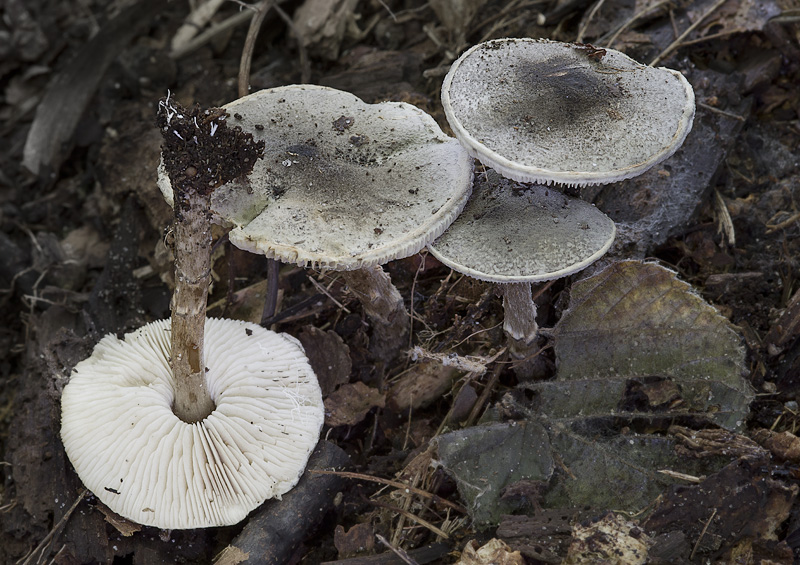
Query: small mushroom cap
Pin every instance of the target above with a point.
(513, 232)
(147, 465)
(342, 184)
(544, 111)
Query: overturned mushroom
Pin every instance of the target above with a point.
(515, 234)
(190, 422)
(145, 463)
(543, 111)
(344, 186)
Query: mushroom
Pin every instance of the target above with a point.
(548, 112)
(514, 234)
(143, 462)
(543, 111)
(175, 428)
(344, 186)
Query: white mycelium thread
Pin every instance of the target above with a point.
(147, 465)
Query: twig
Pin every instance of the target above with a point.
(194, 22)
(305, 67)
(675, 44)
(411, 516)
(388, 9)
(209, 34)
(249, 45)
(632, 20)
(730, 115)
(484, 397)
(711, 36)
(395, 484)
(423, 256)
(703, 533)
(397, 551)
(476, 332)
(682, 476)
(589, 18)
(327, 293)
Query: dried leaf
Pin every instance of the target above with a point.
(784, 445)
(739, 501)
(357, 540)
(422, 384)
(350, 404)
(736, 16)
(611, 540)
(637, 341)
(321, 25)
(484, 459)
(455, 15)
(120, 523)
(493, 552)
(248, 303)
(328, 355)
(615, 471)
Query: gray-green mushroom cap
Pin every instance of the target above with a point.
(548, 112)
(343, 184)
(512, 232)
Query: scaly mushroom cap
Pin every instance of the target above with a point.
(544, 111)
(513, 232)
(147, 465)
(343, 184)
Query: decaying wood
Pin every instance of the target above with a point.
(275, 530)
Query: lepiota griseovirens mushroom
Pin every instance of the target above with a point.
(193, 422)
(344, 186)
(541, 111)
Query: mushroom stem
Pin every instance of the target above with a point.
(384, 307)
(192, 278)
(521, 328)
(200, 153)
(520, 313)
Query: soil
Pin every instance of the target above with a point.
(84, 236)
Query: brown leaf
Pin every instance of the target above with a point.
(736, 16)
(321, 25)
(122, 525)
(350, 404)
(328, 355)
(739, 501)
(357, 540)
(494, 552)
(611, 539)
(783, 445)
(421, 385)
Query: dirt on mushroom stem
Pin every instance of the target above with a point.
(200, 154)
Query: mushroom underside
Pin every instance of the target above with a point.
(147, 465)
